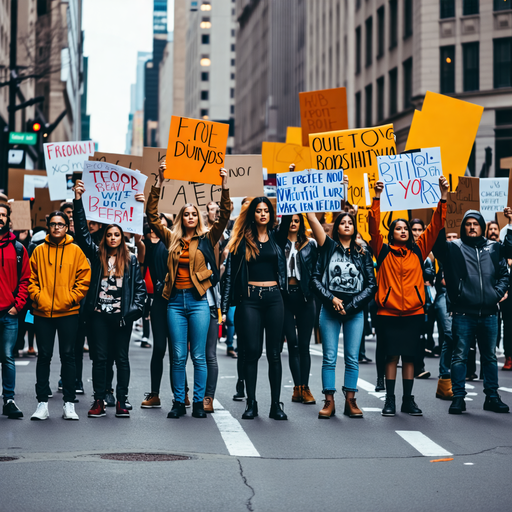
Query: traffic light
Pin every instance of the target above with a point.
(36, 126)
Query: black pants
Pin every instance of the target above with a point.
(111, 341)
(161, 341)
(262, 312)
(299, 317)
(240, 347)
(211, 354)
(79, 346)
(46, 328)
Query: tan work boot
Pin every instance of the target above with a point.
(351, 409)
(307, 396)
(297, 394)
(151, 401)
(208, 404)
(329, 409)
(444, 389)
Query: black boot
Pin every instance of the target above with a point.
(380, 384)
(251, 410)
(495, 404)
(409, 406)
(198, 410)
(458, 405)
(239, 395)
(276, 412)
(178, 409)
(389, 406)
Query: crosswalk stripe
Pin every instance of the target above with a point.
(236, 440)
(422, 443)
(21, 363)
(508, 390)
(365, 385)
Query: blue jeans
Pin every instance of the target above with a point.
(188, 319)
(8, 337)
(330, 326)
(444, 325)
(230, 326)
(464, 329)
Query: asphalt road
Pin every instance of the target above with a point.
(434, 462)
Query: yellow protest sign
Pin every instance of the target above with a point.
(277, 157)
(196, 150)
(354, 151)
(294, 135)
(450, 124)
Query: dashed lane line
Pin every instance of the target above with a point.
(236, 440)
(21, 363)
(423, 444)
(507, 390)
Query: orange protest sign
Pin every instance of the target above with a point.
(294, 135)
(277, 157)
(450, 124)
(196, 150)
(323, 111)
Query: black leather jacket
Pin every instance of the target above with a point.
(237, 275)
(320, 279)
(134, 289)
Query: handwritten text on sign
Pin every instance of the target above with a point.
(61, 159)
(493, 196)
(309, 191)
(109, 195)
(411, 180)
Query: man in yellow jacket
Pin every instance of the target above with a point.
(59, 280)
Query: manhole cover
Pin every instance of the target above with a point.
(144, 457)
(8, 459)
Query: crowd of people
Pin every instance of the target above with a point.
(265, 281)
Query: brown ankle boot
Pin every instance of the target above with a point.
(329, 409)
(444, 389)
(351, 409)
(208, 404)
(297, 394)
(307, 396)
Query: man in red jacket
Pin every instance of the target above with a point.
(14, 278)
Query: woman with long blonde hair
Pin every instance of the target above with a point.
(192, 270)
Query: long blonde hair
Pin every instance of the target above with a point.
(177, 231)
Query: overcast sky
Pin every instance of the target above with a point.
(114, 31)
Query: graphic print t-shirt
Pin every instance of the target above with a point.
(345, 280)
(109, 297)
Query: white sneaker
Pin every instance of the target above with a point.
(41, 412)
(68, 411)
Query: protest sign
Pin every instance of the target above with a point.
(309, 191)
(294, 135)
(278, 156)
(323, 111)
(196, 150)
(424, 214)
(450, 124)
(42, 206)
(109, 195)
(30, 183)
(20, 215)
(466, 197)
(133, 162)
(62, 159)
(17, 179)
(354, 151)
(411, 180)
(493, 196)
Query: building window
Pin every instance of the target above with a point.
(358, 50)
(204, 95)
(380, 99)
(447, 56)
(205, 39)
(393, 91)
(407, 67)
(205, 61)
(232, 93)
(204, 113)
(502, 5)
(471, 63)
(447, 9)
(205, 76)
(232, 62)
(470, 7)
(393, 23)
(369, 41)
(232, 76)
(380, 32)
(205, 23)
(407, 18)
(358, 109)
(502, 62)
(232, 109)
(368, 93)
(232, 47)
(503, 138)
(206, 6)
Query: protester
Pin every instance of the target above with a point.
(60, 278)
(344, 280)
(257, 277)
(476, 278)
(14, 279)
(401, 296)
(190, 248)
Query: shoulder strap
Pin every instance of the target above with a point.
(19, 256)
(382, 255)
(416, 250)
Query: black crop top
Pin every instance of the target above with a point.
(264, 267)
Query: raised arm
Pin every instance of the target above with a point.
(154, 221)
(376, 239)
(224, 213)
(316, 227)
(82, 235)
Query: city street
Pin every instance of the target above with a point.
(435, 462)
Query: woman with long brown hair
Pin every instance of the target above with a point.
(115, 300)
(258, 275)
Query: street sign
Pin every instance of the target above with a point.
(23, 138)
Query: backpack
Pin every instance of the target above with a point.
(18, 247)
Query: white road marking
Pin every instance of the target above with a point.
(365, 385)
(371, 409)
(236, 440)
(228, 377)
(472, 394)
(21, 363)
(469, 463)
(468, 399)
(508, 390)
(470, 386)
(422, 443)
